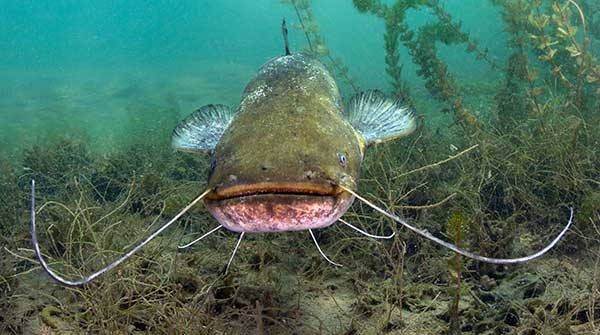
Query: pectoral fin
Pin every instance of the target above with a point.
(202, 130)
(379, 118)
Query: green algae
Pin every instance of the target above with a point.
(49, 317)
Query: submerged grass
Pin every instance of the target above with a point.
(513, 192)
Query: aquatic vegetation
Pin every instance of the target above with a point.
(456, 229)
(316, 42)
(422, 46)
(161, 290)
(551, 31)
(10, 201)
(557, 32)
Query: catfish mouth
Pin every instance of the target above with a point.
(275, 207)
(291, 188)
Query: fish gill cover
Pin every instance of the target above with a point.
(92, 92)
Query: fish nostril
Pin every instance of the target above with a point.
(309, 174)
(264, 168)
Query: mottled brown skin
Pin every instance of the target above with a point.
(277, 166)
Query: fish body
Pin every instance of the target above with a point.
(278, 164)
(282, 156)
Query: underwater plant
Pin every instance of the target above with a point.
(551, 32)
(456, 229)
(421, 45)
(316, 42)
(582, 69)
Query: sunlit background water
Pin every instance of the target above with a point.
(102, 70)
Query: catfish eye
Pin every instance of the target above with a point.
(342, 159)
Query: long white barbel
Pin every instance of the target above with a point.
(386, 237)
(237, 245)
(110, 266)
(199, 238)
(458, 250)
(321, 251)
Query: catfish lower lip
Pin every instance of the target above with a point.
(278, 212)
(277, 206)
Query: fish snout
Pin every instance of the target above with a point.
(276, 207)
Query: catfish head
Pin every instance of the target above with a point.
(279, 163)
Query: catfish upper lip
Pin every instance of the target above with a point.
(300, 188)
